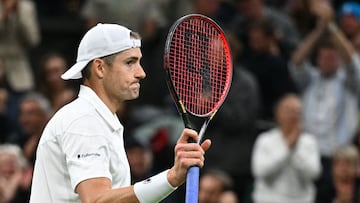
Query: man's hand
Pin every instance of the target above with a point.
(8, 6)
(293, 136)
(187, 155)
(322, 10)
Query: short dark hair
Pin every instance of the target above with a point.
(85, 72)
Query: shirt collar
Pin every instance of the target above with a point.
(90, 96)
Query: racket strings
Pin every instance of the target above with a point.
(199, 64)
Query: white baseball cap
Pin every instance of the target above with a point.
(101, 40)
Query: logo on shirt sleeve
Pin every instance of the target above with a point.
(86, 155)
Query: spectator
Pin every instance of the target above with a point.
(345, 187)
(15, 176)
(213, 184)
(18, 32)
(34, 113)
(330, 89)
(255, 10)
(268, 66)
(349, 19)
(285, 160)
(50, 83)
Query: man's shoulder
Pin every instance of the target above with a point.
(72, 111)
(78, 106)
(75, 117)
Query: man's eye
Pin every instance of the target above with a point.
(130, 62)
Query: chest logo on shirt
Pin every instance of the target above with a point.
(87, 155)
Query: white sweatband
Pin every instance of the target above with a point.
(154, 189)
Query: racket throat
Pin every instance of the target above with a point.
(197, 124)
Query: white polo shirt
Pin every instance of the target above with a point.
(83, 140)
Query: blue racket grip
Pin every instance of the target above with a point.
(192, 185)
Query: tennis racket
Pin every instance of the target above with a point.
(198, 64)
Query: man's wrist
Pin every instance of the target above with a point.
(173, 179)
(154, 189)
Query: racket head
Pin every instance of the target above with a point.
(198, 63)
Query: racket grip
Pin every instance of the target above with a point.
(192, 185)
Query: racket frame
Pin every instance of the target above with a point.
(190, 119)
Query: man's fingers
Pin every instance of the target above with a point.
(206, 145)
(188, 134)
(181, 148)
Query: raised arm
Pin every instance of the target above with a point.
(324, 14)
(347, 50)
(99, 190)
(350, 57)
(29, 31)
(307, 45)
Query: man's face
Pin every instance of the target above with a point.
(328, 60)
(53, 69)
(122, 80)
(210, 189)
(350, 25)
(8, 165)
(344, 169)
(288, 112)
(139, 160)
(32, 117)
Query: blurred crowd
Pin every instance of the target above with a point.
(287, 132)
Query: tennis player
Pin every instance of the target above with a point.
(81, 156)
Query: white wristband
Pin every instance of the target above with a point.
(153, 189)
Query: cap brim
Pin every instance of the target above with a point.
(75, 71)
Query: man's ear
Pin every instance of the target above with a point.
(98, 68)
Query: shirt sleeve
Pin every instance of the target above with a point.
(269, 156)
(302, 74)
(353, 74)
(86, 151)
